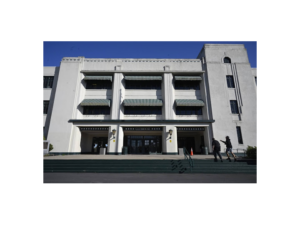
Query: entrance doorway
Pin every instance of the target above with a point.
(98, 142)
(188, 142)
(147, 144)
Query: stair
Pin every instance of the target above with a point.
(147, 166)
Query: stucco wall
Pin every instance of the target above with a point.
(220, 95)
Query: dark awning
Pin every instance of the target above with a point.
(98, 78)
(142, 102)
(143, 78)
(190, 78)
(95, 102)
(189, 102)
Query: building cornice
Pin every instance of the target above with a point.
(141, 71)
(140, 121)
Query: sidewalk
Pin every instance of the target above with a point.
(122, 157)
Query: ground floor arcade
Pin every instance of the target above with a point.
(146, 139)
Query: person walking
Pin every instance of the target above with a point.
(229, 148)
(216, 149)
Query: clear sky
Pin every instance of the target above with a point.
(55, 51)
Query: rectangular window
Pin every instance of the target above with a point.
(96, 110)
(239, 135)
(255, 80)
(234, 107)
(46, 104)
(143, 84)
(48, 82)
(192, 110)
(187, 85)
(98, 84)
(142, 110)
(230, 81)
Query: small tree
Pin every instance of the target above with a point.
(251, 152)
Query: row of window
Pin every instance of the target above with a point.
(179, 85)
(141, 110)
(138, 84)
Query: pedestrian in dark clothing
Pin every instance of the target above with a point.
(216, 149)
(229, 148)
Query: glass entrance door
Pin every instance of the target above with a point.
(188, 142)
(98, 142)
(143, 144)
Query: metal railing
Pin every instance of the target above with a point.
(237, 151)
(188, 157)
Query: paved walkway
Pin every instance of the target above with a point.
(147, 178)
(122, 157)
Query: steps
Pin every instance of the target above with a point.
(147, 166)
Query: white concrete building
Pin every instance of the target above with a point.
(151, 105)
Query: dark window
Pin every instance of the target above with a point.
(46, 104)
(239, 135)
(188, 110)
(230, 82)
(227, 60)
(234, 107)
(187, 85)
(48, 82)
(96, 110)
(98, 84)
(143, 84)
(255, 80)
(142, 110)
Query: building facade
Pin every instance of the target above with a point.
(151, 106)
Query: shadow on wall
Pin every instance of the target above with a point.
(52, 98)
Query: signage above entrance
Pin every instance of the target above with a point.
(190, 128)
(142, 128)
(93, 128)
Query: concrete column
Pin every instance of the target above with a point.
(168, 95)
(65, 107)
(120, 138)
(208, 138)
(112, 142)
(76, 138)
(117, 91)
(170, 143)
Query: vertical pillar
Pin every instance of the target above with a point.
(67, 90)
(117, 92)
(76, 139)
(168, 94)
(208, 138)
(120, 138)
(170, 142)
(112, 142)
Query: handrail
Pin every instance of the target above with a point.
(237, 150)
(189, 158)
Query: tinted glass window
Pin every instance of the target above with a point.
(234, 107)
(239, 135)
(142, 110)
(143, 84)
(227, 60)
(96, 110)
(46, 104)
(184, 110)
(48, 82)
(187, 85)
(230, 82)
(98, 84)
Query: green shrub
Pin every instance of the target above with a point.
(50, 147)
(251, 152)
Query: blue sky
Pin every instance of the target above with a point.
(55, 51)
